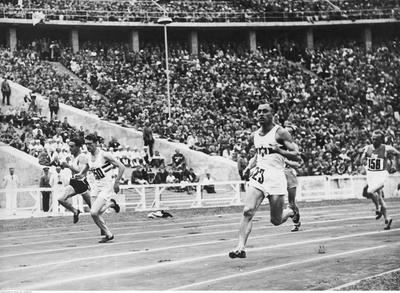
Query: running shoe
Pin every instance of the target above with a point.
(296, 227)
(106, 239)
(378, 215)
(76, 216)
(388, 224)
(296, 215)
(237, 254)
(115, 206)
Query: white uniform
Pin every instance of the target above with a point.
(268, 175)
(103, 176)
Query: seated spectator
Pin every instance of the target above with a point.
(161, 175)
(210, 188)
(157, 160)
(137, 176)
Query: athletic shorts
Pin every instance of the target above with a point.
(104, 190)
(80, 186)
(271, 181)
(376, 179)
(291, 178)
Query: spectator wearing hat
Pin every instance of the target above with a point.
(45, 183)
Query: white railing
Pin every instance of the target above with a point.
(191, 195)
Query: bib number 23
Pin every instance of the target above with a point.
(258, 175)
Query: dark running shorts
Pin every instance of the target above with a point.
(80, 186)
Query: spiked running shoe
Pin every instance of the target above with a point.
(115, 206)
(237, 254)
(76, 216)
(296, 227)
(378, 215)
(106, 239)
(388, 224)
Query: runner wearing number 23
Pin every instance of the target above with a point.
(273, 144)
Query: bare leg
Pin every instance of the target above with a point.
(63, 199)
(86, 198)
(96, 213)
(279, 215)
(254, 197)
(383, 204)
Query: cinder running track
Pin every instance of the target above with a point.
(190, 251)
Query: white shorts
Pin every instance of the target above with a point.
(376, 179)
(291, 178)
(271, 181)
(104, 190)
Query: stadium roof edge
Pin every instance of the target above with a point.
(200, 24)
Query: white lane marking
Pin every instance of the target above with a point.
(188, 260)
(149, 250)
(363, 279)
(157, 238)
(154, 231)
(219, 216)
(265, 269)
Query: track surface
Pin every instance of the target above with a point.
(189, 252)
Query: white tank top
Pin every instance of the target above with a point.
(75, 162)
(267, 158)
(101, 168)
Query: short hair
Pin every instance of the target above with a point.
(77, 141)
(92, 137)
(379, 132)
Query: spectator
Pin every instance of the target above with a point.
(207, 184)
(6, 90)
(44, 158)
(148, 138)
(161, 175)
(11, 181)
(53, 104)
(137, 176)
(157, 160)
(178, 162)
(45, 183)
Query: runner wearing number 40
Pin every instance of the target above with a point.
(375, 160)
(101, 164)
(273, 144)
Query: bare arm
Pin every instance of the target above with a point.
(292, 153)
(121, 169)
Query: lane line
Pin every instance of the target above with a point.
(155, 238)
(330, 208)
(157, 231)
(148, 250)
(339, 288)
(56, 282)
(265, 269)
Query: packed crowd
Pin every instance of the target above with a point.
(202, 10)
(48, 140)
(214, 95)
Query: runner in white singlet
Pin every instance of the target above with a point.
(273, 144)
(101, 165)
(76, 186)
(375, 158)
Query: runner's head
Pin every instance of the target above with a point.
(91, 142)
(377, 138)
(75, 145)
(265, 114)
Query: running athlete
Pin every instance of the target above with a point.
(374, 158)
(76, 185)
(101, 164)
(292, 183)
(273, 144)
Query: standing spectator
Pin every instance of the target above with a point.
(58, 180)
(178, 163)
(45, 183)
(11, 181)
(6, 90)
(148, 138)
(53, 104)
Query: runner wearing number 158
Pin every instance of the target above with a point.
(101, 164)
(273, 144)
(375, 157)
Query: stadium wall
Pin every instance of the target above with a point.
(221, 169)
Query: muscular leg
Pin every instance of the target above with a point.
(292, 198)
(254, 197)
(96, 212)
(63, 199)
(383, 204)
(373, 194)
(279, 215)
(86, 198)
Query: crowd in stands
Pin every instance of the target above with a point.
(202, 10)
(335, 105)
(47, 140)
